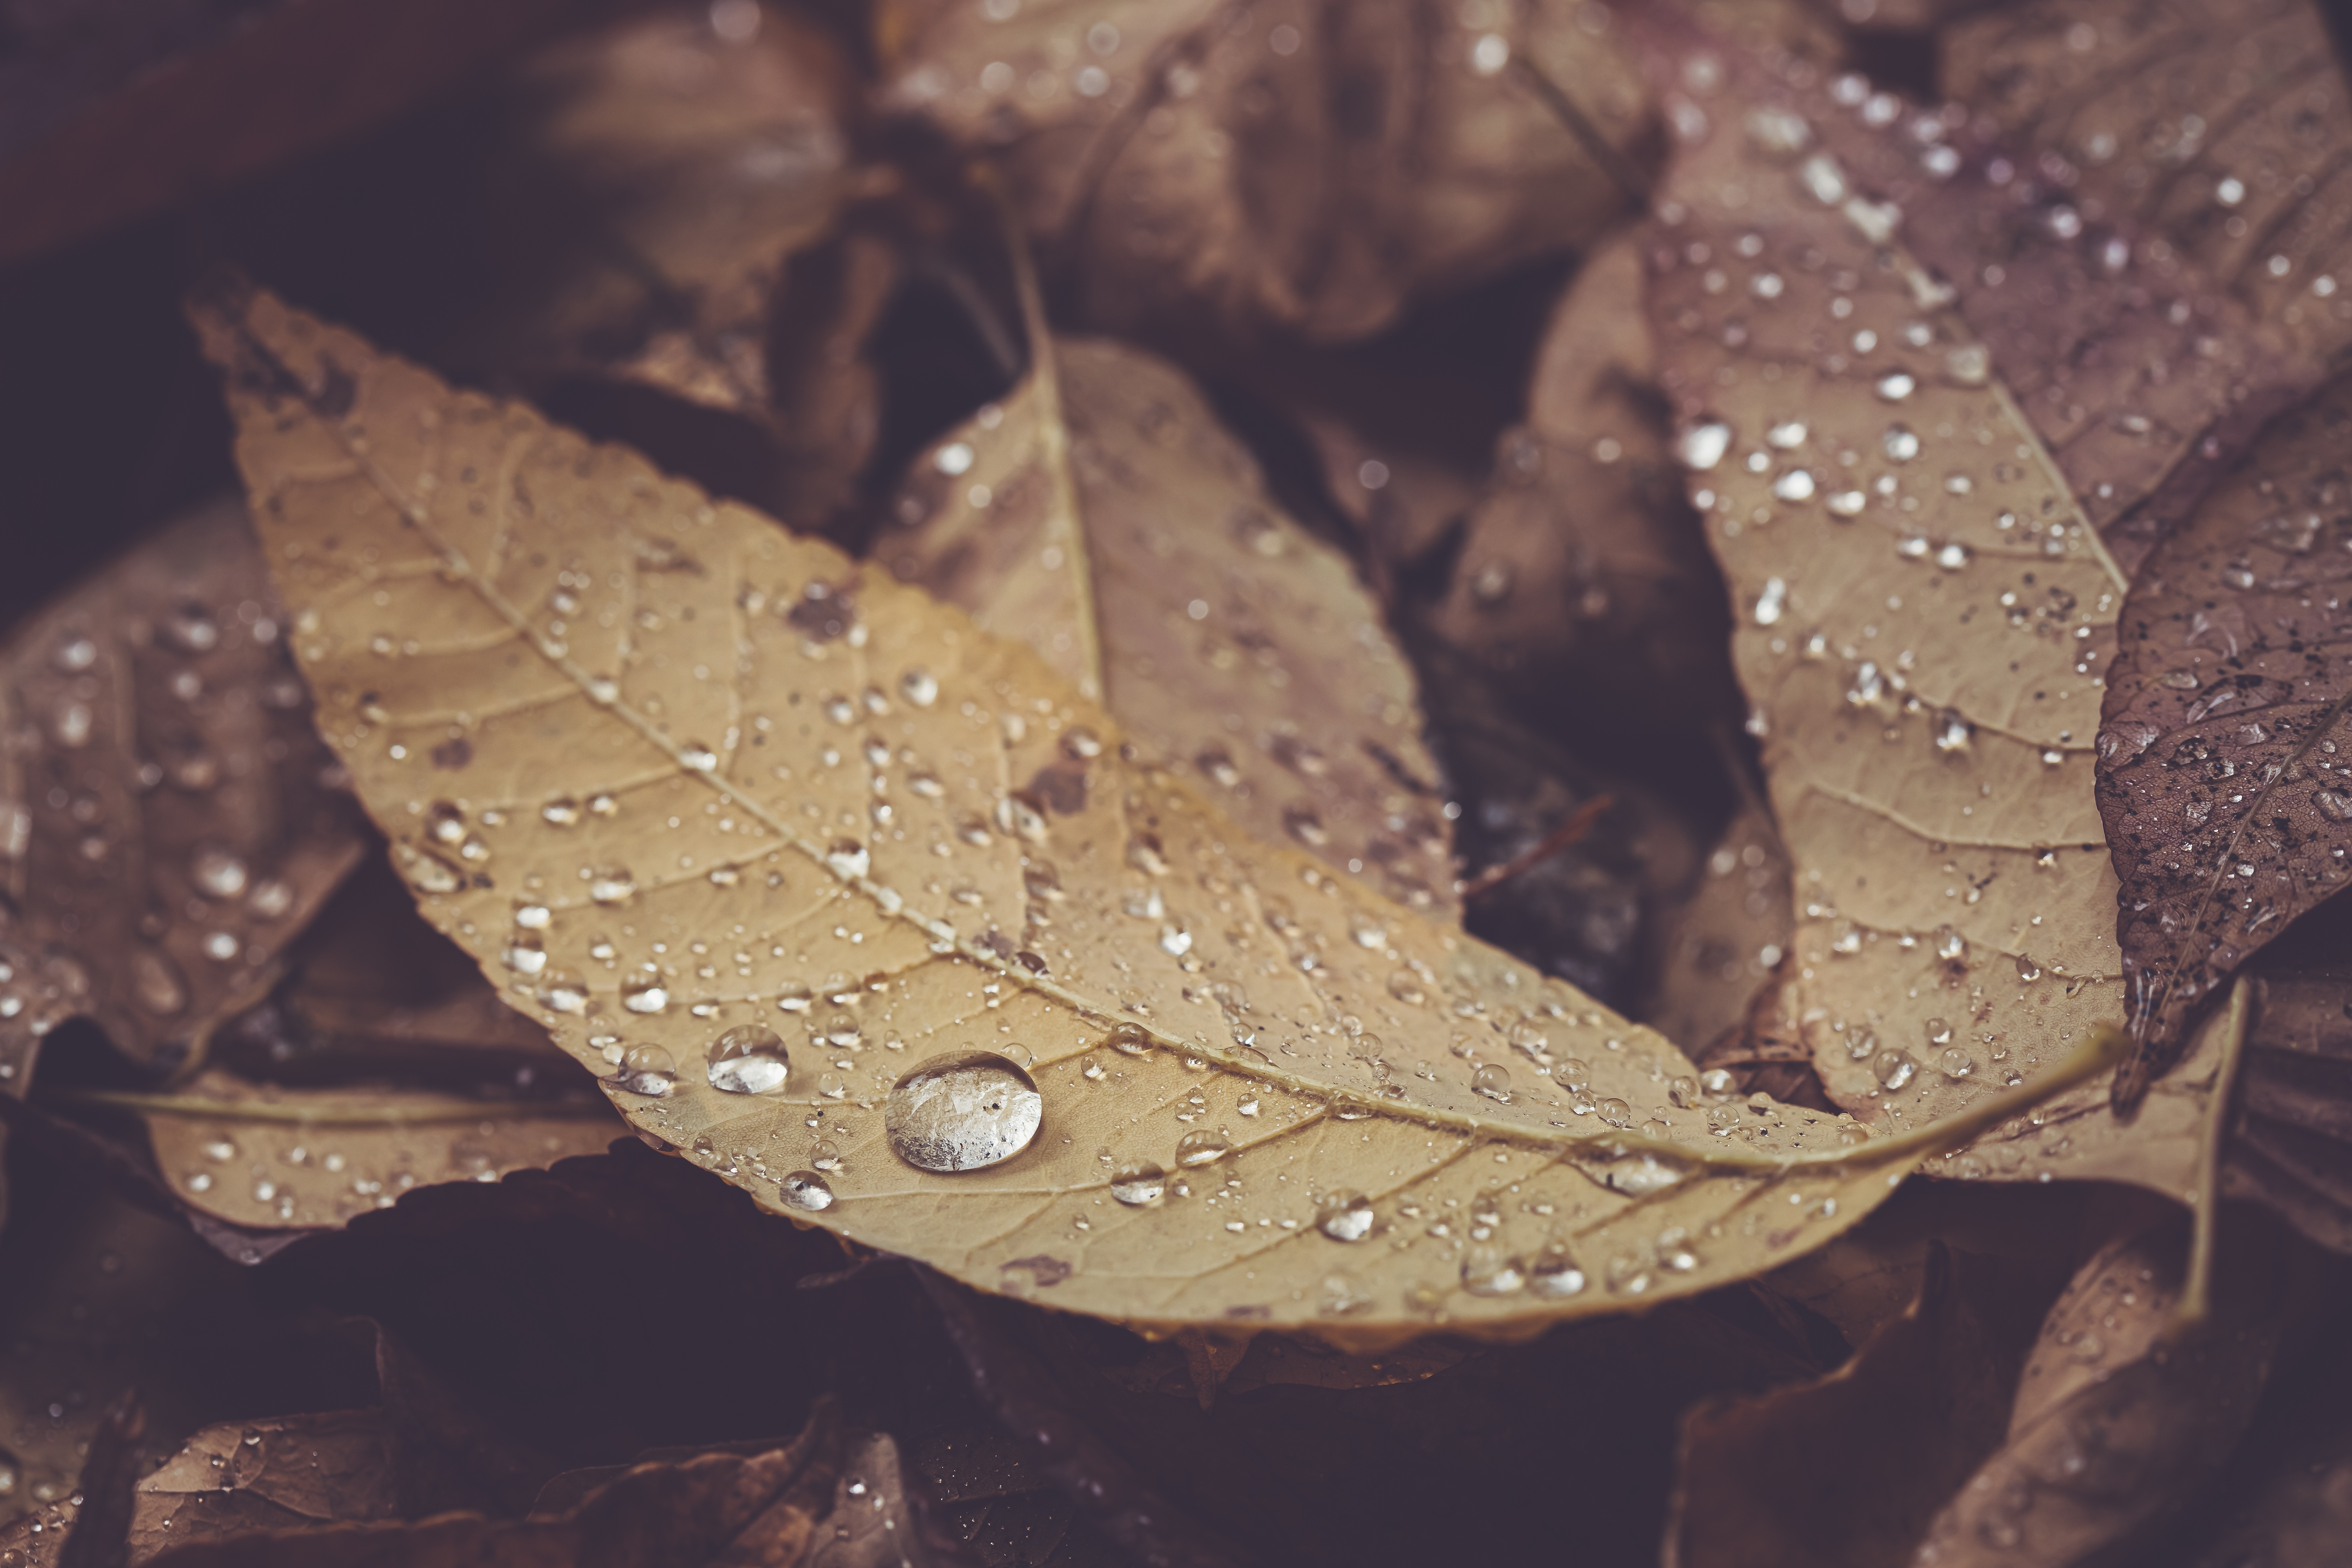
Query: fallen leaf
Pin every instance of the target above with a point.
(1583, 584)
(1309, 166)
(2289, 1128)
(168, 819)
(2124, 1406)
(831, 1498)
(123, 109)
(272, 1475)
(617, 654)
(1850, 1469)
(1101, 513)
(1721, 944)
(667, 168)
(2219, 770)
(1923, 618)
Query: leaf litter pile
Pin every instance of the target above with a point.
(1001, 782)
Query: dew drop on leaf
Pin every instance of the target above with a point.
(1138, 1185)
(750, 1059)
(1344, 1215)
(1202, 1147)
(806, 1191)
(962, 1112)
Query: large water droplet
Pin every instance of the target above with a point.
(1344, 1215)
(1202, 1147)
(748, 1059)
(648, 1070)
(1493, 1082)
(1138, 1185)
(805, 1191)
(1956, 1062)
(1894, 1066)
(962, 1112)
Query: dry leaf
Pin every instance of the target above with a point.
(2124, 1408)
(266, 1477)
(1304, 165)
(1582, 581)
(831, 1498)
(2223, 777)
(1101, 513)
(865, 854)
(1721, 944)
(168, 819)
(669, 167)
(1923, 615)
(1850, 1469)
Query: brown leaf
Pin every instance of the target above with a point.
(2124, 1406)
(1101, 513)
(832, 1498)
(273, 1476)
(1723, 941)
(1582, 581)
(2219, 757)
(667, 168)
(1850, 1469)
(168, 819)
(727, 691)
(1924, 614)
(2294, 1115)
(124, 108)
(1309, 165)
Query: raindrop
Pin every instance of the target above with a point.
(559, 813)
(562, 991)
(1130, 1040)
(1894, 1066)
(2334, 805)
(1939, 1033)
(191, 630)
(216, 873)
(648, 1070)
(1703, 444)
(1950, 945)
(1082, 745)
(525, 954)
(920, 686)
(698, 756)
(1138, 1185)
(1488, 1272)
(1953, 731)
(1616, 1112)
(533, 915)
(1175, 941)
(1493, 1082)
(848, 857)
(825, 1154)
(645, 994)
(805, 1190)
(1303, 824)
(962, 1112)
(1956, 1062)
(611, 884)
(750, 1059)
(74, 654)
(1554, 1274)
(1571, 1073)
(1895, 387)
(1901, 443)
(1795, 485)
(1847, 503)
(157, 981)
(1344, 1215)
(1406, 987)
(1202, 1147)
(1771, 601)
(1822, 179)
(2027, 970)
(1952, 556)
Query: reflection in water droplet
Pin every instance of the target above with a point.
(562, 812)
(750, 1059)
(1344, 1215)
(806, 1191)
(1202, 1147)
(825, 1154)
(1894, 1066)
(1572, 1073)
(1138, 1185)
(648, 1070)
(962, 1112)
(1488, 1271)
(1953, 731)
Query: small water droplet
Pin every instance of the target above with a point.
(1202, 1147)
(1900, 443)
(648, 1070)
(1894, 1066)
(806, 1191)
(1130, 1040)
(562, 991)
(1493, 1082)
(1406, 987)
(1771, 601)
(611, 884)
(1956, 1062)
(848, 857)
(1950, 945)
(525, 954)
(1489, 1271)
(216, 873)
(2334, 805)
(1615, 1112)
(1702, 446)
(1572, 1073)
(750, 1059)
(962, 1112)
(920, 686)
(1344, 1215)
(1895, 385)
(1139, 1183)
(2027, 970)
(1796, 485)
(698, 756)
(562, 812)
(645, 994)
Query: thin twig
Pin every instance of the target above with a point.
(1579, 823)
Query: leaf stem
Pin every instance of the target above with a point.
(2205, 1196)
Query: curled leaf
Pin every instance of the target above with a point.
(868, 912)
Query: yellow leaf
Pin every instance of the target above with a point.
(725, 786)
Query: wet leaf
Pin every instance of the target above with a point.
(2289, 1124)
(1923, 616)
(2125, 1407)
(1309, 166)
(1726, 940)
(667, 168)
(1102, 513)
(832, 1496)
(1582, 582)
(2222, 757)
(268, 1477)
(168, 819)
(1192, 1066)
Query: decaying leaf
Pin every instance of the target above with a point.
(2223, 775)
(1582, 581)
(1850, 1469)
(1306, 166)
(1101, 513)
(1923, 616)
(831, 1499)
(2124, 1406)
(268, 1477)
(698, 152)
(2293, 1114)
(1054, 1026)
(168, 818)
